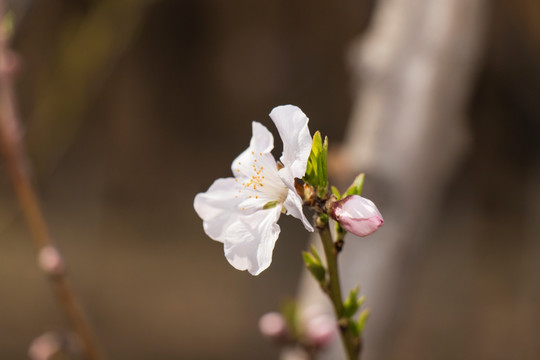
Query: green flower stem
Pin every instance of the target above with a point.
(333, 289)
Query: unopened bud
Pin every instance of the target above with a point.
(273, 326)
(357, 215)
(50, 261)
(320, 330)
(44, 347)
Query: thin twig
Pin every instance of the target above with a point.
(350, 342)
(14, 155)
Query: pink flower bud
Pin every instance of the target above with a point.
(50, 261)
(44, 347)
(272, 325)
(357, 215)
(320, 330)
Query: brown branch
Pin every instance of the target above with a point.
(14, 155)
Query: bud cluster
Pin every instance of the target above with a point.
(351, 213)
(312, 331)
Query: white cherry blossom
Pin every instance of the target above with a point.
(242, 211)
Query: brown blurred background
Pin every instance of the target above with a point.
(132, 107)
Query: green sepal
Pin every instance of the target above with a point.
(351, 304)
(270, 205)
(356, 186)
(314, 266)
(316, 171)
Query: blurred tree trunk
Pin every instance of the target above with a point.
(414, 71)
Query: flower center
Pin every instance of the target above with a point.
(259, 179)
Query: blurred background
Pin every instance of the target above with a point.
(130, 108)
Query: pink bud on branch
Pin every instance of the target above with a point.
(320, 330)
(44, 347)
(273, 326)
(50, 261)
(357, 215)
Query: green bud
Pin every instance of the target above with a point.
(351, 304)
(362, 318)
(316, 171)
(314, 266)
(361, 300)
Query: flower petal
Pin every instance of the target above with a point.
(293, 204)
(292, 125)
(262, 139)
(217, 207)
(262, 142)
(359, 207)
(250, 240)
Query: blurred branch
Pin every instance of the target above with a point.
(48, 257)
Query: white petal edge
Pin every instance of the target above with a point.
(292, 125)
(262, 141)
(293, 204)
(250, 241)
(217, 207)
(357, 206)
